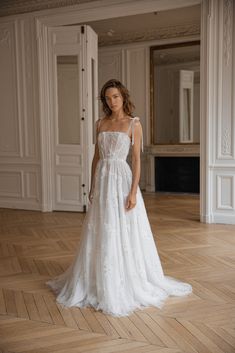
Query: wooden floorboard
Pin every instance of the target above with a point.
(36, 246)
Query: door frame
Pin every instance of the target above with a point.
(94, 11)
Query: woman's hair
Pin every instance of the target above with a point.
(128, 106)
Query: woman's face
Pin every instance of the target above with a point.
(114, 99)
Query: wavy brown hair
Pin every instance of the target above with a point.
(128, 106)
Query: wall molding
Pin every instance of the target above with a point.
(222, 218)
(173, 150)
(224, 78)
(190, 29)
(227, 24)
(185, 30)
(20, 162)
(221, 191)
(24, 6)
(5, 37)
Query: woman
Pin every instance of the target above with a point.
(117, 268)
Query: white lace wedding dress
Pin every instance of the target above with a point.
(117, 268)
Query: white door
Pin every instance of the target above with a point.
(73, 111)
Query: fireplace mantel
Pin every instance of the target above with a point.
(179, 150)
(152, 151)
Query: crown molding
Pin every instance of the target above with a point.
(184, 30)
(14, 7)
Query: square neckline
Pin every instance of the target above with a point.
(130, 128)
(118, 131)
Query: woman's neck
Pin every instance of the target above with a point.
(117, 115)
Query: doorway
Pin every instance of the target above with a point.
(72, 90)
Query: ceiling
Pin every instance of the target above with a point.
(127, 29)
(150, 26)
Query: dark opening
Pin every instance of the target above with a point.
(177, 174)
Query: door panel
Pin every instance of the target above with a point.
(71, 95)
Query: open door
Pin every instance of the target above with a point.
(73, 101)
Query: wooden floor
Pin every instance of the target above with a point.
(36, 246)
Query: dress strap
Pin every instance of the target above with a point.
(132, 128)
(97, 129)
(98, 124)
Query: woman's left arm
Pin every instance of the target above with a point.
(136, 165)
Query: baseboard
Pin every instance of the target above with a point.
(17, 205)
(205, 219)
(224, 218)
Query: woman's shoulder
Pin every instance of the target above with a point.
(100, 121)
(136, 120)
(102, 118)
(133, 119)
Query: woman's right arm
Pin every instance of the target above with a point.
(95, 160)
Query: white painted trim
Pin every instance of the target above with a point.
(18, 82)
(147, 98)
(219, 191)
(18, 204)
(229, 167)
(204, 124)
(150, 43)
(206, 218)
(222, 218)
(45, 126)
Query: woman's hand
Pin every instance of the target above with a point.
(91, 196)
(130, 201)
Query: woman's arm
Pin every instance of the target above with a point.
(95, 160)
(131, 199)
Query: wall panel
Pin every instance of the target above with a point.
(19, 126)
(136, 65)
(11, 184)
(110, 65)
(221, 118)
(137, 80)
(226, 53)
(9, 100)
(225, 192)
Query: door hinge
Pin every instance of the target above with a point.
(82, 29)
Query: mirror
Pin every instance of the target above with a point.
(175, 93)
(68, 100)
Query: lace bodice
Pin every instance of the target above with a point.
(116, 144)
(113, 144)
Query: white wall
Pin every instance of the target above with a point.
(218, 113)
(20, 178)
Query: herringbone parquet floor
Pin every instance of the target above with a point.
(36, 246)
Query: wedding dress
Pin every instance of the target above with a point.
(117, 267)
